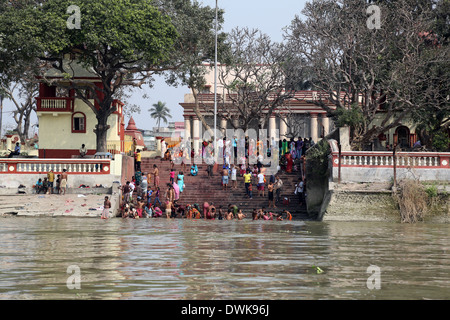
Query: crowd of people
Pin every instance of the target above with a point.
(144, 207)
(52, 184)
(151, 201)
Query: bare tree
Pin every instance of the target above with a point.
(22, 93)
(254, 78)
(370, 75)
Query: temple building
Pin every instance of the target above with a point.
(298, 116)
(133, 137)
(66, 122)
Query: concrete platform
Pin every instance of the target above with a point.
(84, 203)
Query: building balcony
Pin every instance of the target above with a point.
(55, 104)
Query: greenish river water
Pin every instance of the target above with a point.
(82, 258)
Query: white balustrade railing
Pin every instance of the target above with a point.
(53, 104)
(405, 159)
(78, 166)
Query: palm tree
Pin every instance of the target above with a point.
(160, 111)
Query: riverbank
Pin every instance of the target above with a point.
(374, 202)
(342, 202)
(84, 203)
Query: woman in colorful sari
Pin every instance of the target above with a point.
(176, 188)
(293, 151)
(290, 163)
(285, 147)
(180, 178)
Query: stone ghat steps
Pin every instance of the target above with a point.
(201, 188)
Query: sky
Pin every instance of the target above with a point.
(270, 17)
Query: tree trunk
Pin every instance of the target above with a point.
(101, 131)
(27, 123)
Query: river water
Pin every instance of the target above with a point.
(82, 258)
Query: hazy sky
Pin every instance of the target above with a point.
(269, 17)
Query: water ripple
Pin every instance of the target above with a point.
(178, 259)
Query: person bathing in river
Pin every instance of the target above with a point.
(205, 209)
(240, 215)
(140, 208)
(157, 212)
(288, 215)
(211, 214)
(168, 209)
(229, 215)
(255, 215)
(106, 207)
(220, 213)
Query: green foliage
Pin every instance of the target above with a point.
(431, 191)
(352, 117)
(112, 34)
(124, 42)
(441, 141)
(317, 160)
(159, 111)
(195, 46)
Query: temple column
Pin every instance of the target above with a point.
(283, 128)
(325, 124)
(223, 126)
(158, 145)
(9, 142)
(236, 121)
(196, 135)
(187, 128)
(272, 127)
(314, 127)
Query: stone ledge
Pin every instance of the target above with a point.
(369, 205)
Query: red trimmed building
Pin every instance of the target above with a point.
(65, 122)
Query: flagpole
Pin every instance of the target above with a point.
(215, 89)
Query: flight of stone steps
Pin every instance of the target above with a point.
(200, 189)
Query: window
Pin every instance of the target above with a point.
(79, 122)
(206, 89)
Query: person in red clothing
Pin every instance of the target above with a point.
(205, 209)
(172, 176)
(211, 214)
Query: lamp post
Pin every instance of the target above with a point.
(1, 114)
(215, 89)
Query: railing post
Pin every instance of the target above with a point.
(339, 162)
(395, 168)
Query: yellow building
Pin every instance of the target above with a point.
(66, 123)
